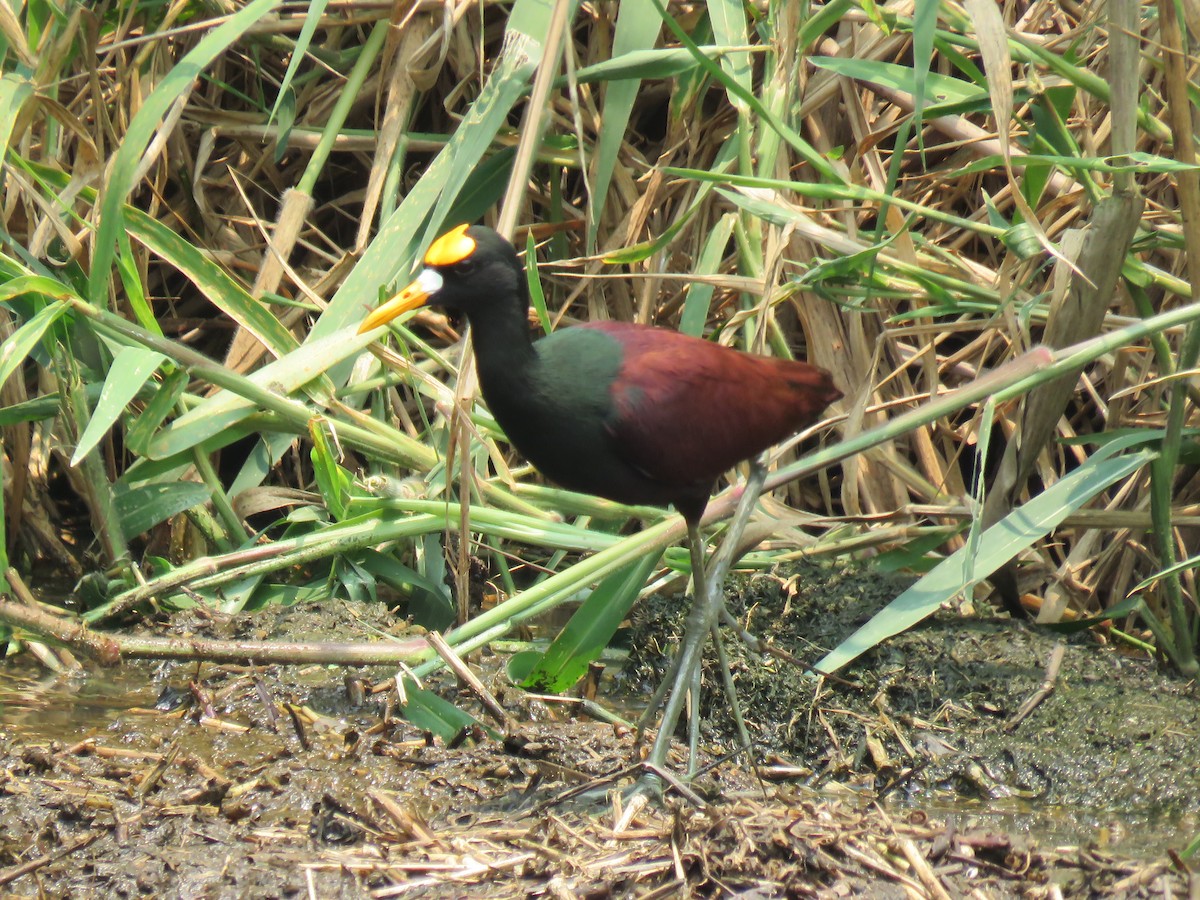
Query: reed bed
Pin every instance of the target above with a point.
(980, 218)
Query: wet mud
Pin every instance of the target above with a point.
(908, 778)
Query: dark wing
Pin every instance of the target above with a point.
(685, 410)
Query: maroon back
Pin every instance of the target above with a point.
(686, 409)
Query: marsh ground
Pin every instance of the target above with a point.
(911, 779)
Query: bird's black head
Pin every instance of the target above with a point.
(470, 269)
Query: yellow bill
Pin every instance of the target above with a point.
(417, 294)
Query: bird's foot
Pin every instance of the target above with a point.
(682, 679)
(652, 787)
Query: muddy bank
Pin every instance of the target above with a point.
(284, 782)
(931, 717)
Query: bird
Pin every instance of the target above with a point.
(632, 413)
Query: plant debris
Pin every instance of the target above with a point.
(281, 780)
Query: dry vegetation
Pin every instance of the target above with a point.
(198, 207)
(201, 200)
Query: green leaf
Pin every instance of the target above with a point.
(166, 396)
(354, 584)
(944, 90)
(1139, 162)
(484, 187)
(1000, 543)
(127, 159)
(431, 563)
(22, 342)
(333, 481)
(285, 107)
(4, 585)
(131, 281)
(822, 19)
(14, 91)
(430, 604)
(769, 118)
(505, 87)
(429, 712)
(699, 295)
(35, 284)
(520, 665)
(728, 21)
(47, 406)
(1120, 610)
(1022, 240)
(636, 65)
(1182, 565)
(141, 508)
(913, 555)
(421, 215)
(724, 160)
(924, 27)
(312, 21)
(636, 31)
(590, 629)
(212, 281)
(227, 408)
(537, 297)
(129, 371)
(291, 594)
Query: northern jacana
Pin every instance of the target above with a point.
(631, 413)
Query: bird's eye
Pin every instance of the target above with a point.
(464, 267)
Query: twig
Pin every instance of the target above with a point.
(407, 824)
(70, 632)
(1044, 690)
(57, 660)
(460, 668)
(111, 649)
(921, 866)
(15, 872)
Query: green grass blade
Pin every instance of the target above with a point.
(20, 285)
(698, 299)
(584, 638)
(507, 84)
(556, 589)
(333, 481)
(23, 341)
(141, 508)
(312, 21)
(636, 31)
(282, 377)
(429, 604)
(366, 55)
(212, 281)
(537, 298)
(639, 65)
(126, 376)
(805, 150)
(944, 90)
(141, 131)
(164, 402)
(131, 282)
(1000, 543)
(924, 28)
(728, 20)
(14, 91)
(421, 215)
(431, 713)
(1126, 607)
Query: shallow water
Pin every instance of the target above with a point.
(39, 706)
